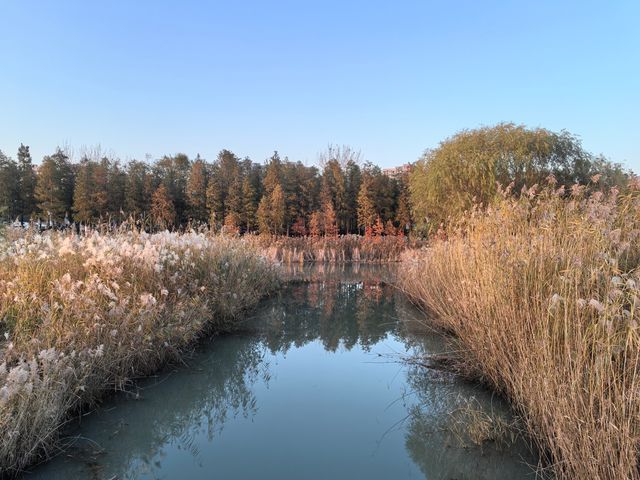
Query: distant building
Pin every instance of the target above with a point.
(397, 172)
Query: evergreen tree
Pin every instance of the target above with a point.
(224, 172)
(138, 188)
(315, 224)
(26, 182)
(9, 192)
(264, 215)
(232, 223)
(353, 176)
(334, 192)
(54, 186)
(273, 173)
(277, 210)
(366, 207)
(163, 209)
(249, 205)
(235, 199)
(378, 227)
(197, 191)
(100, 188)
(173, 173)
(84, 205)
(116, 181)
(330, 226)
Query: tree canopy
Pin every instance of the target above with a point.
(468, 168)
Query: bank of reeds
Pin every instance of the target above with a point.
(344, 248)
(543, 292)
(82, 315)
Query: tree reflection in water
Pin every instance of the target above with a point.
(340, 308)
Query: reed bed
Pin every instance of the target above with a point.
(339, 249)
(542, 293)
(83, 315)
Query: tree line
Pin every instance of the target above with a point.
(342, 196)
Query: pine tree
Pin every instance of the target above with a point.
(249, 204)
(315, 224)
(54, 187)
(163, 210)
(100, 188)
(378, 227)
(84, 207)
(353, 177)
(235, 199)
(264, 215)
(138, 188)
(330, 226)
(277, 209)
(197, 191)
(216, 196)
(334, 191)
(232, 223)
(366, 207)
(27, 182)
(273, 174)
(116, 187)
(9, 193)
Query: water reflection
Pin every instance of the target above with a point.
(312, 387)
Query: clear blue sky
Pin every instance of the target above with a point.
(389, 78)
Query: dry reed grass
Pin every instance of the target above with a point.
(344, 248)
(543, 293)
(86, 314)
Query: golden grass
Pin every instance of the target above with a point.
(344, 248)
(86, 314)
(543, 294)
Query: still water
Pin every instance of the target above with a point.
(315, 385)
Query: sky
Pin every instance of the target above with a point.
(390, 79)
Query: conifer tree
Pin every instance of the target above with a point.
(232, 223)
(315, 224)
(278, 210)
(197, 191)
(366, 207)
(138, 188)
(249, 204)
(264, 215)
(330, 226)
(27, 182)
(9, 193)
(163, 209)
(378, 227)
(54, 186)
(84, 206)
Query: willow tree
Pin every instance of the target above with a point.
(466, 169)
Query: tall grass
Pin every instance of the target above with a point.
(344, 248)
(81, 315)
(543, 293)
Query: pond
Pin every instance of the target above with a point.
(314, 385)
